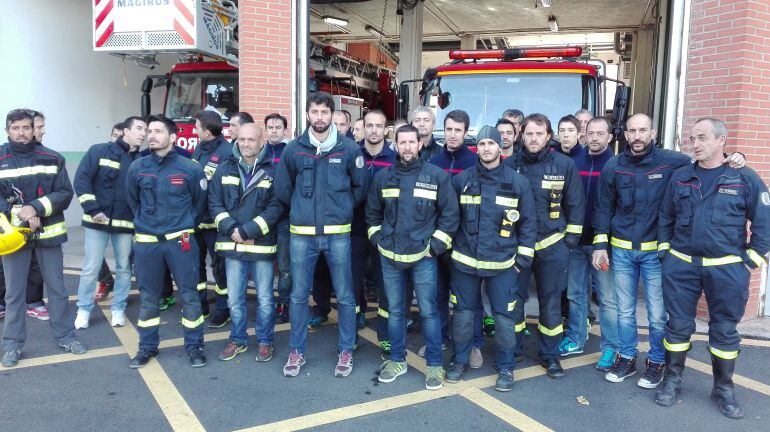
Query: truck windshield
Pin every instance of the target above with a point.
(485, 96)
(189, 93)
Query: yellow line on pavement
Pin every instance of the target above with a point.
(64, 358)
(737, 379)
(503, 411)
(174, 406)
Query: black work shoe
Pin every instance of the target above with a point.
(624, 368)
(197, 357)
(668, 391)
(455, 372)
(504, 382)
(553, 368)
(219, 319)
(653, 375)
(142, 358)
(282, 312)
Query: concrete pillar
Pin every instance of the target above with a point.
(410, 50)
(642, 59)
(468, 42)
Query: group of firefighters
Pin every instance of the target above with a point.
(451, 223)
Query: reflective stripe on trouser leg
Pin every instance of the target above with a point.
(185, 272)
(550, 277)
(149, 262)
(519, 319)
(465, 293)
(682, 287)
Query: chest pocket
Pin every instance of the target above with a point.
(147, 193)
(626, 187)
(306, 178)
(729, 205)
(425, 195)
(507, 210)
(337, 176)
(262, 189)
(177, 189)
(470, 202)
(683, 205)
(390, 195)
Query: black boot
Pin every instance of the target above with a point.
(669, 389)
(723, 393)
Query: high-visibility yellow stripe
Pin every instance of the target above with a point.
(676, 347)
(708, 262)
(145, 238)
(220, 291)
(483, 265)
(191, 324)
(152, 322)
(373, 230)
(47, 206)
(408, 258)
(174, 235)
(453, 298)
(383, 313)
(53, 230)
(207, 226)
(231, 180)
(444, 237)
(548, 241)
(423, 193)
(574, 229)
(390, 193)
(507, 202)
(649, 246)
(336, 229)
(553, 184)
(553, 215)
(302, 230)
(727, 355)
(520, 327)
(122, 223)
(559, 329)
(89, 219)
(554, 205)
(201, 286)
(220, 217)
(358, 309)
(470, 199)
(600, 238)
(265, 184)
(754, 256)
(664, 246)
(31, 170)
(86, 197)
(109, 163)
(526, 251)
(241, 247)
(262, 225)
(625, 244)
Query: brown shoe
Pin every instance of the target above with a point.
(231, 350)
(265, 352)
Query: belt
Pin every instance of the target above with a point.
(707, 262)
(151, 238)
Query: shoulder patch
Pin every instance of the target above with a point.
(766, 198)
(359, 162)
(204, 184)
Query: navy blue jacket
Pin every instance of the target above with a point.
(274, 152)
(498, 225)
(454, 162)
(32, 174)
(631, 190)
(246, 201)
(590, 169)
(712, 223)
(374, 164)
(412, 210)
(433, 148)
(558, 193)
(167, 194)
(100, 182)
(321, 190)
(210, 154)
(574, 152)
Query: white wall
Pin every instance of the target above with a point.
(48, 65)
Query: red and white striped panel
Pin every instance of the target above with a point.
(184, 20)
(104, 22)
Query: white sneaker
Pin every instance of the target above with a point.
(81, 321)
(118, 318)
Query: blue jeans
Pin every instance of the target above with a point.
(580, 276)
(305, 251)
(628, 266)
(284, 262)
(261, 272)
(94, 248)
(423, 275)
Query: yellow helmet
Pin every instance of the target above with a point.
(11, 238)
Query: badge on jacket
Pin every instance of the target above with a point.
(512, 215)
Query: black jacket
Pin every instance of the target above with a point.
(209, 154)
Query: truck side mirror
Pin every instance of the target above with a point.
(620, 110)
(145, 102)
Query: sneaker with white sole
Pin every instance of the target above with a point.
(82, 320)
(118, 318)
(40, 312)
(293, 364)
(390, 370)
(344, 364)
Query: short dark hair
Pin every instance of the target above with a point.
(459, 116)
(118, 126)
(513, 112)
(128, 123)
(601, 119)
(503, 121)
(210, 121)
(569, 118)
(376, 112)
(407, 128)
(347, 114)
(37, 114)
(243, 118)
(18, 115)
(320, 98)
(167, 122)
(538, 119)
(276, 116)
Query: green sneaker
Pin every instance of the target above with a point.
(166, 302)
(489, 326)
(434, 377)
(391, 370)
(385, 349)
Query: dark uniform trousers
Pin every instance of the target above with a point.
(550, 270)
(727, 289)
(150, 258)
(504, 299)
(206, 240)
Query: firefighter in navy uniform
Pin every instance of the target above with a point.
(495, 241)
(167, 194)
(560, 205)
(212, 149)
(702, 235)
